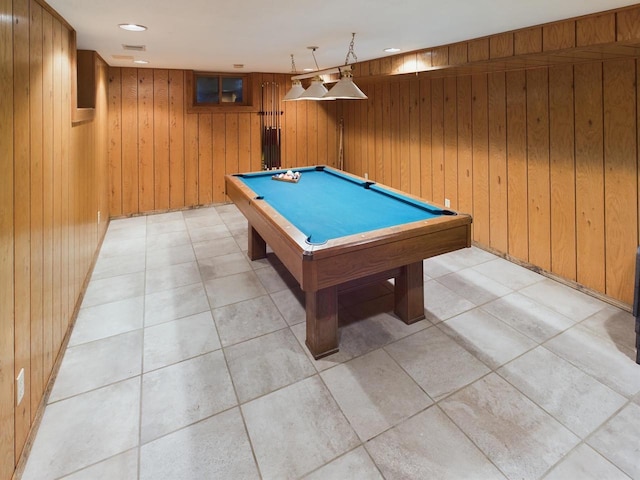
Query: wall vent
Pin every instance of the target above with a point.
(122, 57)
(134, 48)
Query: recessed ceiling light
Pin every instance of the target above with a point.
(141, 61)
(132, 27)
(308, 69)
(392, 50)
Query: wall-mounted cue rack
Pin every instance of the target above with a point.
(270, 125)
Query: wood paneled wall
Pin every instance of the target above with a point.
(161, 157)
(546, 160)
(53, 181)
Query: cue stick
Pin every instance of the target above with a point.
(262, 136)
(340, 147)
(271, 156)
(277, 124)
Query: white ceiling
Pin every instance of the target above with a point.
(213, 35)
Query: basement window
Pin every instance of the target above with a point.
(213, 89)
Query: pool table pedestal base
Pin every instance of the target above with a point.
(322, 305)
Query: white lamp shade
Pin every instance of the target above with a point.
(345, 89)
(316, 90)
(295, 92)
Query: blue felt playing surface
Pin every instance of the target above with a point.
(325, 205)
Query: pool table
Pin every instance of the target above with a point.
(333, 230)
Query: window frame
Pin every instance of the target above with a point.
(193, 106)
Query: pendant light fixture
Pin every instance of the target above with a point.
(296, 88)
(345, 89)
(317, 90)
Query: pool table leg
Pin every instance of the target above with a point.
(409, 293)
(257, 246)
(322, 322)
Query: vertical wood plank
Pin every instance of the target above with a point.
(231, 162)
(518, 240)
(562, 171)
(48, 189)
(478, 49)
(497, 162)
(386, 134)
(280, 83)
(218, 155)
(426, 186)
(620, 165)
(479, 86)
(404, 134)
(161, 157)
(205, 159)
(538, 167)
(191, 159)
(22, 216)
(323, 157)
(437, 139)
(458, 53)
(36, 205)
(65, 121)
(559, 36)
(7, 357)
(301, 137)
(465, 144)
(528, 41)
(256, 149)
(115, 142)
(415, 174)
(395, 138)
(501, 45)
(378, 173)
(364, 141)
(58, 331)
(628, 25)
(375, 132)
(348, 137)
(517, 190)
(244, 143)
(129, 119)
(289, 154)
(451, 141)
(312, 133)
(596, 29)
(146, 182)
(372, 160)
(176, 139)
(333, 128)
(589, 176)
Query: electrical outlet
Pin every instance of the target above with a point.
(447, 203)
(366, 175)
(20, 387)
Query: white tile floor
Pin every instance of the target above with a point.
(187, 361)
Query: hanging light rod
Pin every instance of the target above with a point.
(326, 71)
